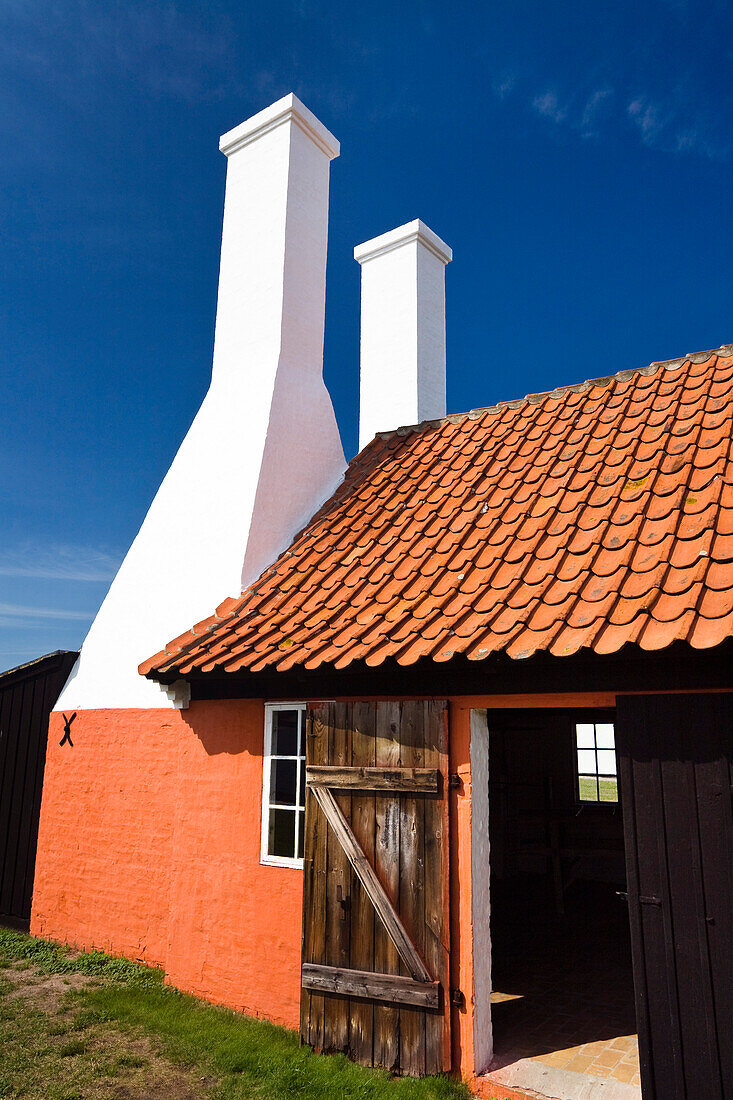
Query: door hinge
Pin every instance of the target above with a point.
(454, 781)
(644, 899)
(456, 998)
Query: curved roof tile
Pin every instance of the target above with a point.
(590, 517)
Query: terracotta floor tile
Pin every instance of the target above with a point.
(599, 1071)
(572, 1052)
(623, 1072)
(593, 1049)
(627, 1043)
(607, 1059)
(554, 1058)
(579, 1064)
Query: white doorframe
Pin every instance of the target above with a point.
(483, 1043)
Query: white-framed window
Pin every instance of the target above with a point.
(283, 785)
(595, 745)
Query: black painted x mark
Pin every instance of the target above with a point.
(67, 730)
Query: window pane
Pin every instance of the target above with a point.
(283, 781)
(587, 788)
(302, 835)
(604, 735)
(285, 733)
(282, 833)
(609, 790)
(606, 762)
(302, 782)
(587, 761)
(584, 735)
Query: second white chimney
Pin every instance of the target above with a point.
(402, 329)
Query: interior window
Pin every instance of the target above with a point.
(596, 754)
(283, 793)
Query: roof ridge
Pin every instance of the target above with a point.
(37, 661)
(574, 387)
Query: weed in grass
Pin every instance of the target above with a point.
(72, 1048)
(55, 958)
(84, 1018)
(129, 1061)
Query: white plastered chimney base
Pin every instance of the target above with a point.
(264, 451)
(402, 329)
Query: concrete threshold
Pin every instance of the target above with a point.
(527, 1079)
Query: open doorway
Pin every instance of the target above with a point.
(562, 1002)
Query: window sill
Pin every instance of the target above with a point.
(594, 807)
(281, 861)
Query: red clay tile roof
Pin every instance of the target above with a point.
(593, 516)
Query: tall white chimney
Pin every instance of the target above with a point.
(264, 450)
(402, 329)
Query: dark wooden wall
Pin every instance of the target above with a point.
(675, 755)
(27, 695)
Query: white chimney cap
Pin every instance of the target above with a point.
(284, 110)
(404, 234)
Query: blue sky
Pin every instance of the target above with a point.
(576, 156)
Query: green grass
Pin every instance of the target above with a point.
(128, 1023)
(608, 789)
(54, 958)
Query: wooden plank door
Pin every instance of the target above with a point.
(675, 783)
(375, 970)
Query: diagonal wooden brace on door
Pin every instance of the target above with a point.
(419, 988)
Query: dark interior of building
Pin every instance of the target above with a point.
(561, 957)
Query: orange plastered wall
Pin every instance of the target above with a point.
(149, 847)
